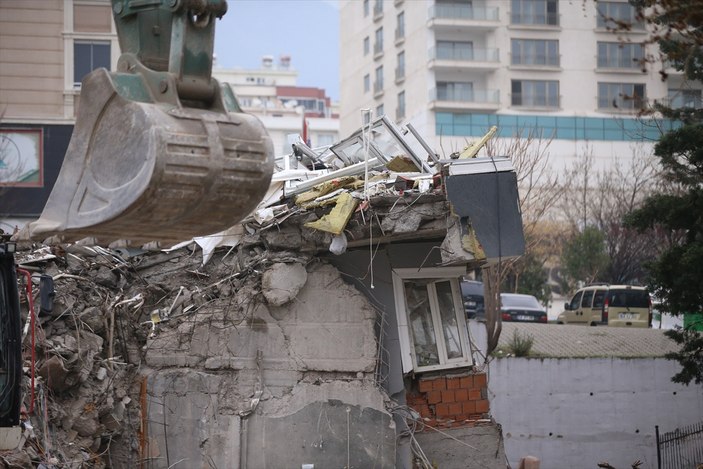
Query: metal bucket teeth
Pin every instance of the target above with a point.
(153, 172)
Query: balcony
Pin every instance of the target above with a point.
(485, 100)
(460, 15)
(464, 59)
(548, 20)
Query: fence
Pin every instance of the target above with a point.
(681, 448)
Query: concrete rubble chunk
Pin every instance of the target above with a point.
(282, 282)
(54, 374)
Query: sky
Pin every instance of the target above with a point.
(306, 30)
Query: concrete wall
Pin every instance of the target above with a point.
(271, 383)
(579, 412)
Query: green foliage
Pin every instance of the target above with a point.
(584, 255)
(521, 344)
(690, 356)
(528, 276)
(676, 276)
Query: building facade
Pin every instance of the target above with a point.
(454, 68)
(46, 47)
(271, 93)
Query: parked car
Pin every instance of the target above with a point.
(612, 305)
(472, 293)
(627, 305)
(586, 306)
(525, 308)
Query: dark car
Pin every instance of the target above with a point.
(524, 308)
(472, 292)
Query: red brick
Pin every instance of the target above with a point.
(424, 411)
(455, 409)
(442, 410)
(468, 407)
(476, 416)
(467, 382)
(461, 395)
(439, 384)
(425, 385)
(453, 383)
(482, 406)
(474, 394)
(433, 397)
(448, 396)
(480, 380)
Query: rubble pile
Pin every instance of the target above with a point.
(90, 348)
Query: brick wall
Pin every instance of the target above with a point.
(451, 401)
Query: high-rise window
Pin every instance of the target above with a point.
(87, 56)
(367, 45)
(400, 28)
(621, 95)
(379, 110)
(534, 52)
(400, 69)
(367, 83)
(455, 50)
(366, 8)
(684, 98)
(378, 84)
(619, 55)
(455, 91)
(378, 46)
(535, 12)
(400, 110)
(378, 8)
(613, 15)
(535, 93)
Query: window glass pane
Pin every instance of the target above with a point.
(587, 297)
(419, 314)
(575, 301)
(81, 61)
(447, 312)
(598, 299)
(87, 57)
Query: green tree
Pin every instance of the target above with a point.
(584, 256)
(676, 276)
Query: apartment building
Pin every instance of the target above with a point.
(271, 93)
(46, 47)
(454, 68)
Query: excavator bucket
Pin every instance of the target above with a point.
(160, 151)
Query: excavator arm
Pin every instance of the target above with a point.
(160, 150)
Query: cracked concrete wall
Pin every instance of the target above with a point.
(234, 382)
(354, 265)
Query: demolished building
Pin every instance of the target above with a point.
(325, 330)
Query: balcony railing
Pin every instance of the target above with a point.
(465, 55)
(463, 12)
(377, 48)
(466, 96)
(377, 87)
(682, 102)
(535, 19)
(532, 100)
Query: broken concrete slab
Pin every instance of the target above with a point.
(282, 282)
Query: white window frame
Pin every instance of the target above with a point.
(407, 347)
